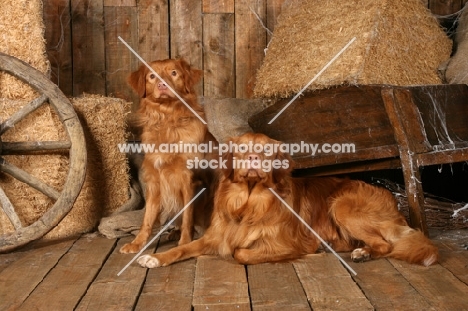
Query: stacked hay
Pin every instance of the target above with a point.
(397, 42)
(22, 36)
(31, 204)
(457, 69)
(107, 180)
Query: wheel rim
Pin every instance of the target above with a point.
(77, 152)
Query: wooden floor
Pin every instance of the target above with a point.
(81, 274)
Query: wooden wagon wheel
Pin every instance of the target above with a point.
(75, 147)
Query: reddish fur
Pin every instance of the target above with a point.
(252, 225)
(170, 185)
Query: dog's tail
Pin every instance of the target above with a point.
(414, 247)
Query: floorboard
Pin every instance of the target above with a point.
(275, 286)
(112, 292)
(20, 278)
(81, 274)
(71, 277)
(329, 285)
(170, 288)
(220, 284)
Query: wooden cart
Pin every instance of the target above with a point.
(75, 147)
(390, 127)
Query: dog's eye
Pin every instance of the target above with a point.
(152, 76)
(174, 73)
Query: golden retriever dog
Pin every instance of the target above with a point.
(164, 120)
(251, 224)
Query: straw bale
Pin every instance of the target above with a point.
(107, 182)
(30, 203)
(457, 69)
(22, 36)
(107, 179)
(397, 42)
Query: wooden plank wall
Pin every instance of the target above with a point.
(225, 38)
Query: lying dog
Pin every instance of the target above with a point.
(165, 119)
(250, 223)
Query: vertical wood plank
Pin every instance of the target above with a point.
(186, 31)
(120, 3)
(59, 43)
(220, 283)
(445, 7)
(120, 21)
(70, 278)
(153, 29)
(218, 6)
(250, 44)
(88, 47)
(275, 286)
(112, 292)
(273, 11)
(218, 55)
(20, 278)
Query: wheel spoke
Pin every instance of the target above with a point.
(27, 147)
(23, 112)
(28, 179)
(9, 210)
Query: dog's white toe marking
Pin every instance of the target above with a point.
(148, 261)
(359, 255)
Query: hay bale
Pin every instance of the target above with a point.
(22, 36)
(457, 69)
(30, 203)
(397, 42)
(107, 180)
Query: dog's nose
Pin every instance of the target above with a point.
(162, 86)
(253, 157)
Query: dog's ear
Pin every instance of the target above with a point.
(227, 167)
(191, 75)
(287, 165)
(137, 81)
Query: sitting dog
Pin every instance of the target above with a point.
(164, 120)
(250, 223)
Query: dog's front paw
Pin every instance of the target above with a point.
(130, 248)
(360, 255)
(148, 261)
